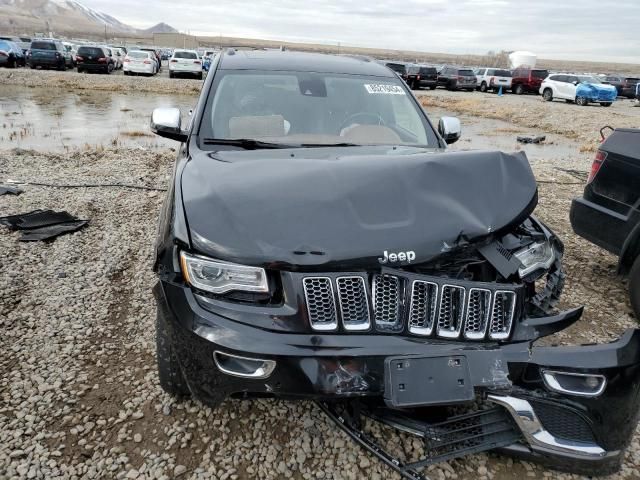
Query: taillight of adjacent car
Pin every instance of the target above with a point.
(79, 58)
(596, 165)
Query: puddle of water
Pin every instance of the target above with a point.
(489, 134)
(59, 120)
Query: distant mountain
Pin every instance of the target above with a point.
(160, 28)
(63, 16)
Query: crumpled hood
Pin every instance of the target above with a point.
(347, 206)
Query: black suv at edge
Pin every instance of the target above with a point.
(318, 241)
(608, 213)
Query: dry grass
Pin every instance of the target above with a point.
(136, 133)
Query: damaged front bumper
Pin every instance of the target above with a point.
(572, 407)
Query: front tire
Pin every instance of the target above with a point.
(13, 63)
(606, 104)
(582, 101)
(519, 90)
(483, 87)
(433, 87)
(547, 95)
(169, 373)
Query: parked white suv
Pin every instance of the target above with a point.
(582, 89)
(493, 79)
(185, 62)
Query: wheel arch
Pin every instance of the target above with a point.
(630, 251)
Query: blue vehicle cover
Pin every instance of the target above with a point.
(597, 92)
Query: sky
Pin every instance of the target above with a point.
(554, 29)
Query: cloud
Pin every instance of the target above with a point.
(573, 29)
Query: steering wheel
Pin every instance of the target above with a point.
(350, 120)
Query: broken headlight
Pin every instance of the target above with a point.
(221, 277)
(538, 255)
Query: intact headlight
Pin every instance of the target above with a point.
(221, 277)
(535, 256)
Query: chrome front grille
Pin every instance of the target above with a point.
(419, 304)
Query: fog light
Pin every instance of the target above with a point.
(570, 383)
(243, 366)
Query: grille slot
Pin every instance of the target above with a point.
(387, 302)
(451, 311)
(424, 303)
(478, 313)
(321, 305)
(354, 305)
(504, 306)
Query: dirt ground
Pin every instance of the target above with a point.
(79, 396)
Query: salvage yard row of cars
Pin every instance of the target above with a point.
(55, 54)
(581, 89)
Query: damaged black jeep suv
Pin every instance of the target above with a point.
(319, 242)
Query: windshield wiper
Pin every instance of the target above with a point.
(246, 143)
(319, 145)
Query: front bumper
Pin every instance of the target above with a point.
(584, 434)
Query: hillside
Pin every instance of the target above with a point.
(64, 17)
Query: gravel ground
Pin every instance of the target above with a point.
(78, 386)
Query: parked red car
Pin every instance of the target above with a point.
(527, 80)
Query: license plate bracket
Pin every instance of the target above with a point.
(422, 381)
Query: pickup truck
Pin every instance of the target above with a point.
(608, 213)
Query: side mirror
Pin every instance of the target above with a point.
(166, 122)
(575, 82)
(450, 129)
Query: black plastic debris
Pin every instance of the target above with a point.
(4, 189)
(536, 139)
(42, 224)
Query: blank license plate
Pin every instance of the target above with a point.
(427, 381)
